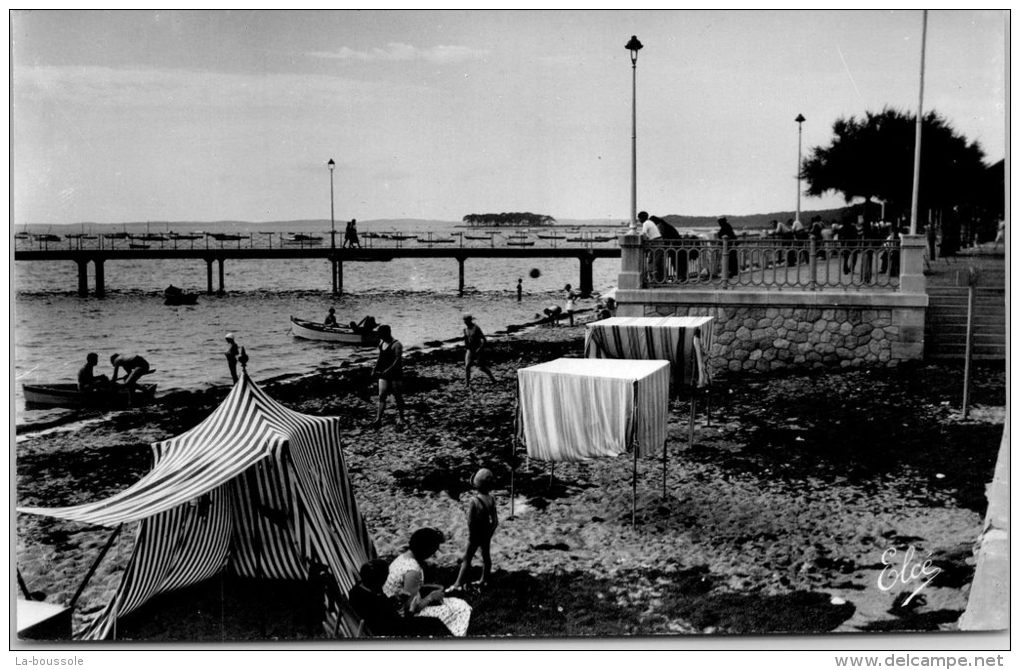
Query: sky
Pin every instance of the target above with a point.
(202, 116)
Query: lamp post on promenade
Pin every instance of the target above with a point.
(800, 122)
(332, 223)
(633, 46)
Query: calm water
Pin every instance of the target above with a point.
(54, 328)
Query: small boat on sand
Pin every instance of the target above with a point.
(42, 396)
(311, 330)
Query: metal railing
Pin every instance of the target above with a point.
(267, 240)
(773, 264)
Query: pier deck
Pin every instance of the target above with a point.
(585, 255)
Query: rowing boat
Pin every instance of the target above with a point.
(41, 396)
(311, 330)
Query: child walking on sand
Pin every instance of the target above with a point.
(482, 521)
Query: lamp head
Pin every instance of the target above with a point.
(800, 118)
(331, 165)
(633, 46)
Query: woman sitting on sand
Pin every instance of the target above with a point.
(407, 576)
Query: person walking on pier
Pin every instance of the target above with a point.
(389, 368)
(351, 235)
(474, 342)
(231, 354)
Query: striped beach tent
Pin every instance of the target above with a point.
(256, 489)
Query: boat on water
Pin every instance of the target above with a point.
(311, 330)
(139, 246)
(302, 238)
(115, 236)
(182, 299)
(554, 236)
(189, 236)
(478, 237)
(519, 243)
(42, 396)
(227, 237)
(46, 237)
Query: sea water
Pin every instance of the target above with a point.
(54, 328)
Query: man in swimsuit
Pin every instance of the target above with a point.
(134, 367)
(474, 342)
(389, 368)
(88, 382)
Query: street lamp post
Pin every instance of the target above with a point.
(800, 121)
(633, 46)
(332, 223)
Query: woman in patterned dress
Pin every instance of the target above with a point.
(407, 576)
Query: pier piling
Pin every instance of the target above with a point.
(460, 276)
(585, 285)
(100, 278)
(220, 261)
(83, 278)
(208, 276)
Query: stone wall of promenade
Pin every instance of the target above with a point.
(764, 330)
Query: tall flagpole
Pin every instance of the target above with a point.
(917, 132)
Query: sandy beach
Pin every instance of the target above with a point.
(775, 520)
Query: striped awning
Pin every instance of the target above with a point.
(684, 341)
(247, 428)
(256, 488)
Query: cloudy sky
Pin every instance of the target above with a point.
(134, 116)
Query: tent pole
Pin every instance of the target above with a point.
(633, 492)
(24, 586)
(690, 421)
(95, 566)
(664, 469)
(513, 466)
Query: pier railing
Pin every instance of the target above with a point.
(276, 240)
(771, 264)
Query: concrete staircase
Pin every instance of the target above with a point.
(945, 334)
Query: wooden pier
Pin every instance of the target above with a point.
(585, 256)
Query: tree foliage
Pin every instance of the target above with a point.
(509, 219)
(873, 157)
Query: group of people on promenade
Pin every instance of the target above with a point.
(395, 600)
(791, 237)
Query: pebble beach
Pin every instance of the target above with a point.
(774, 520)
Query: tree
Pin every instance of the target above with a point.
(873, 158)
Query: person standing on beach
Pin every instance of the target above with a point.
(389, 368)
(231, 354)
(482, 521)
(474, 342)
(520, 288)
(569, 306)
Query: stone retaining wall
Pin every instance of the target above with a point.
(765, 331)
(772, 338)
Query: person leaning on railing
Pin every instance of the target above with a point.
(727, 234)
